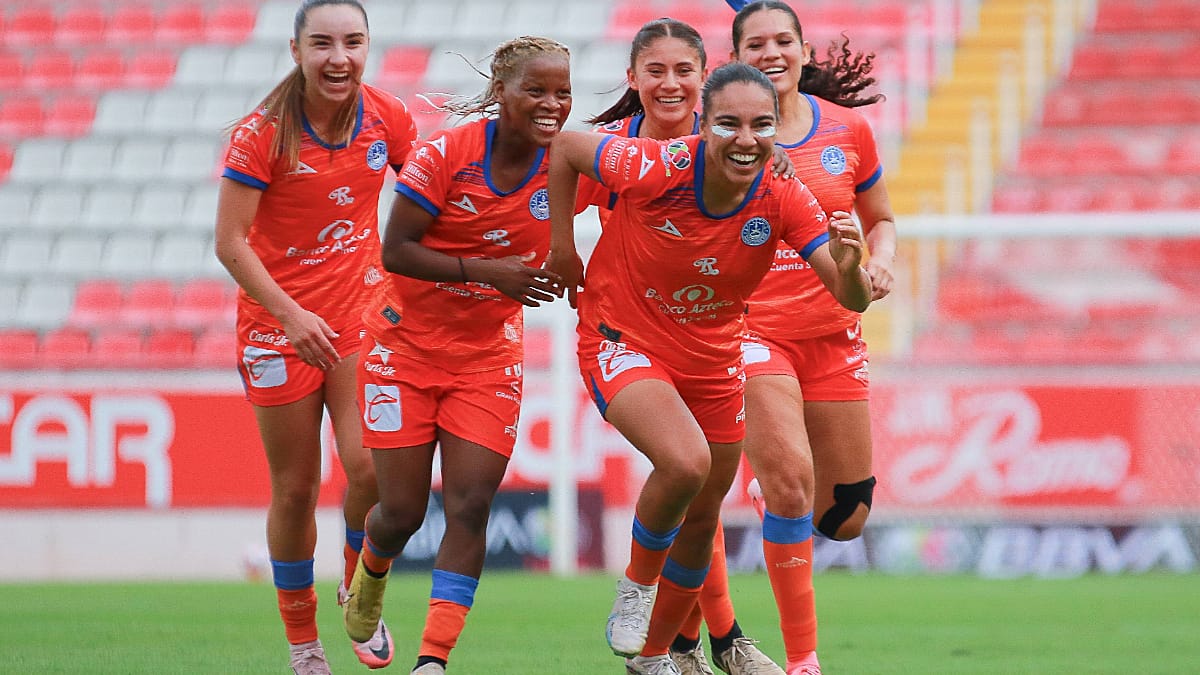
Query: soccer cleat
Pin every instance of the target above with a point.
(376, 652)
(743, 658)
(363, 607)
(805, 666)
(429, 669)
(630, 618)
(692, 662)
(756, 498)
(308, 658)
(651, 665)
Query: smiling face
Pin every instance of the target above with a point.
(667, 76)
(770, 41)
(739, 131)
(331, 51)
(535, 102)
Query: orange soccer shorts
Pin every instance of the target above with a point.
(272, 373)
(716, 398)
(829, 367)
(405, 401)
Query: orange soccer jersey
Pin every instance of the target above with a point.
(463, 327)
(316, 229)
(836, 160)
(673, 277)
(589, 190)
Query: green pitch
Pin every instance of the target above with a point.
(531, 624)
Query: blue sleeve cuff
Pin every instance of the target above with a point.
(244, 178)
(418, 198)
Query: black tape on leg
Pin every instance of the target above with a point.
(846, 498)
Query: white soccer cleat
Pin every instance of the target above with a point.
(630, 618)
(651, 665)
(308, 658)
(744, 658)
(692, 662)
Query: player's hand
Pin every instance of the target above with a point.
(312, 339)
(568, 266)
(781, 164)
(845, 242)
(529, 286)
(882, 279)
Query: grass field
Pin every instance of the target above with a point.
(530, 624)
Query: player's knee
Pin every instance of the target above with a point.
(844, 520)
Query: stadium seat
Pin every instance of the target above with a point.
(229, 24)
(171, 112)
(56, 208)
(159, 208)
(180, 23)
(423, 20)
(44, 304)
(10, 297)
(49, 69)
(127, 255)
(251, 66)
(181, 254)
(64, 349)
(203, 303)
(168, 348)
(81, 25)
(190, 160)
(88, 160)
(479, 19)
(38, 160)
(97, 303)
(114, 348)
(6, 161)
(101, 70)
(108, 208)
(403, 67)
(120, 112)
(26, 254)
(200, 211)
(148, 69)
(18, 348)
(70, 116)
(30, 26)
(16, 202)
(76, 255)
(12, 72)
(148, 303)
(131, 23)
(216, 348)
(139, 160)
(21, 116)
(218, 110)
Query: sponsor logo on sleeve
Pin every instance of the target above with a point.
(679, 155)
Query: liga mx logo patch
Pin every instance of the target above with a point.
(377, 155)
(756, 231)
(834, 160)
(539, 205)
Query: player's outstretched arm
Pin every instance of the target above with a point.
(571, 154)
(838, 263)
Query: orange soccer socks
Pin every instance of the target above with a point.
(787, 551)
(648, 553)
(678, 589)
(449, 601)
(297, 599)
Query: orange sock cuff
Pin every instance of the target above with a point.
(789, 567)
(376, 561)
(443, 624)
(672, 606)
(298, 609)
(351, 559)
(715, 602)
(648, 553)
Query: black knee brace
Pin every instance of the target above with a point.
(846, 498)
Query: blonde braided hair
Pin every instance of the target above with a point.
(507, 61)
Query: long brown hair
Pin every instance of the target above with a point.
(284, 105)
(630, 102)
(840, 78)
(507, 61)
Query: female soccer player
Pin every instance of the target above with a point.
(667, 67)
(808, 427)
(693, 231)
(467, 233)
(297, 229)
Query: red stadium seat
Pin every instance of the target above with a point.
(216, 348)
(150, 69)
(629, 16)
(117, 348)
(230, 24)
(65, 349)
(18, 348)
(70, 116)
(100, 71)
(6, 161)
(204, 303)
(30, 27)
(97, 303)
(21, 117)
(81, 25)
(148, 303)
(12, 71)
(1016, 198)
(50, 69)
(180, 24)
(170, 348)
(131, 24)
(403, 67)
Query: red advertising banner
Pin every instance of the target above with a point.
(940, 447)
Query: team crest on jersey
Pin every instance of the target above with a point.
(756, 231)
(539, 205)
(377, 155)
(677, 155)
(834, 160)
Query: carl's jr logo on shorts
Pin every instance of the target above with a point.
(264, 367)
